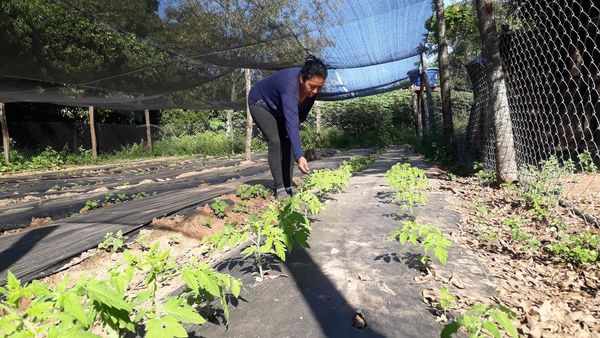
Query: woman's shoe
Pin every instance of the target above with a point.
(291, 191)
(281, 193)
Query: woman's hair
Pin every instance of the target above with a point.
(313, 67)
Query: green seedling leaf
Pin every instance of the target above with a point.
(450, 329)
(98, 291)
(182, 311)
(491, 328)
(165, 327)
(507, 323)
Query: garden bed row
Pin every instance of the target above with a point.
(130, 296)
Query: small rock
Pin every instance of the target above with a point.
(334, 251)
(358, 321)
(363, 278)
(458, 283)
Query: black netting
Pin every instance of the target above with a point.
(156, 54)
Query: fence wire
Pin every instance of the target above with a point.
(551, 57)
(29, 139)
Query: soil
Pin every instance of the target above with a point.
(583, 190)
(204, 223)
(552, 297)
(36, 222)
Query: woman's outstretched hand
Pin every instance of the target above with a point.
(303, 165)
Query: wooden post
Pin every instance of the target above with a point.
(318, 113)
(93, 133)
(445, 85)
(148, 132)
(416, 113)
(430, 104)
(230, 112)
(5, 137)
(248, 116)
(498, 109)
(424, 116)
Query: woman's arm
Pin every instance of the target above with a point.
(292, 126)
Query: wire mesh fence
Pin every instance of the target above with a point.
(551, 57)
(29, 139)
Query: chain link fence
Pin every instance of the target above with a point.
(551, 58)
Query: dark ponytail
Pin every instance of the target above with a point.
(313, 67)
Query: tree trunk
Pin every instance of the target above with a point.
(498, 109)
(430, 104)
(444, 73)
(5, 137)
(93, 132)
(230, 123)
(318, 113)
(424, 116)
(148, 132)
(417, 114)
(248, 116)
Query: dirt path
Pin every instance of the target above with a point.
(351, 269)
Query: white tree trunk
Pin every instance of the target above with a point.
(430, 104)
(148, 132)
(93, 132)
(417, 114)
(498, 109)
(5, 136)
(318, 113)
(248, 116)
(445, 85)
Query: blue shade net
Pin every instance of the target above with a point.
(158, 54)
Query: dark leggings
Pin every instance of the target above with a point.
(281, 161)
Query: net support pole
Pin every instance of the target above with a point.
(5, 137)
(93, 132)
(248, 116)
(445, 86)
(430, 104)
(498, 109)
(148, 132)
(318, 113)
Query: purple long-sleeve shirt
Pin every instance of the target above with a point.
(280, 94)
